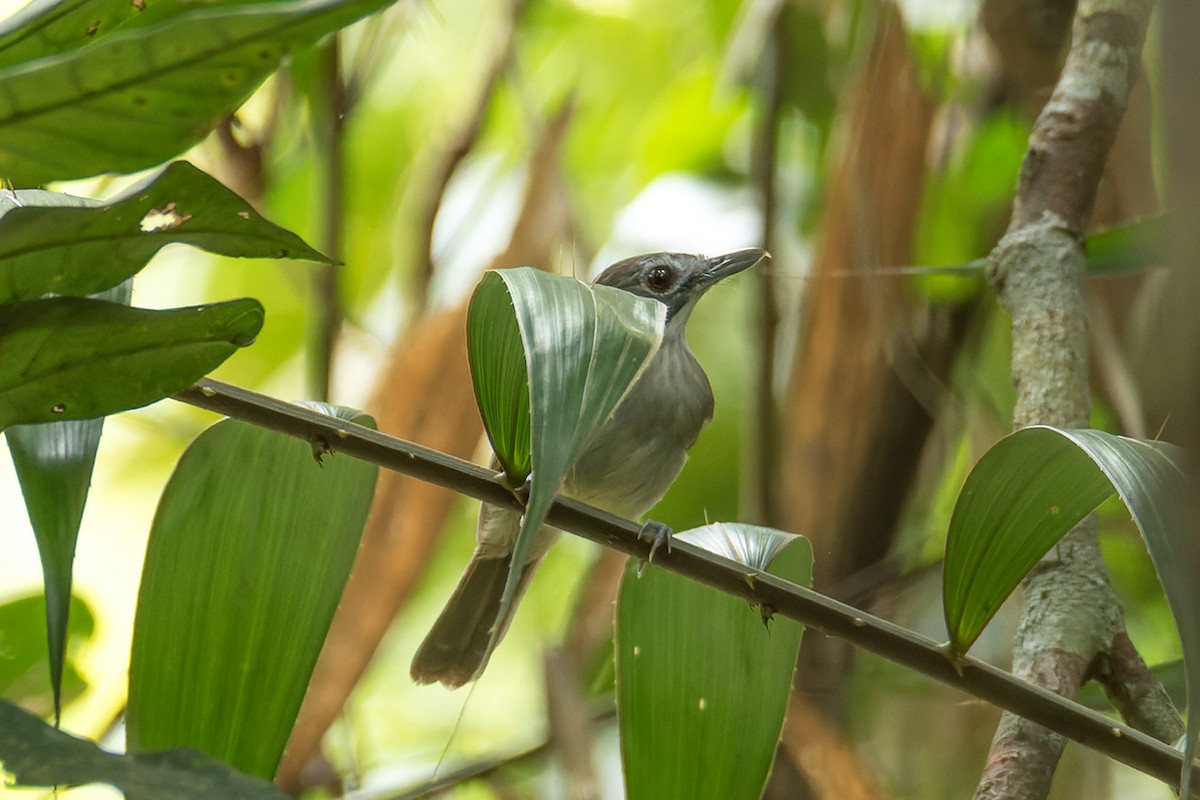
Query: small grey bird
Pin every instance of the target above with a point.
(625, 469)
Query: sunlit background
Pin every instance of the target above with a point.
(622, 127)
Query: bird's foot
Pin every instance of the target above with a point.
(659, 535)
(520, 492)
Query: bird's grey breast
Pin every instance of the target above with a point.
(636, 456)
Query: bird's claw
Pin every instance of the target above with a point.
(520, 492)
(659, 535)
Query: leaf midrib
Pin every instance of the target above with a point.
(142, 34)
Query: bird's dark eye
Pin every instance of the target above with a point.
(659, 278)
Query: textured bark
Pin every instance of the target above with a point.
(1030, 39)
(1134, 691)
(1070, 614)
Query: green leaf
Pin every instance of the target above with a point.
(965, 205)
(54, 462)
(147, 92)
(54, 243)
(75, 358)
(583, 347)
(702, 679)
(36, 754)
(24, 661)
(1030, 489)
(1130, 248)
(499, 375)
(1027, 492)
(248, 555)
(46, 27)
(54, 466)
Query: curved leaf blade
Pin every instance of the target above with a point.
(58, 244)
(583, 347)
(248, 555)
(1024, 495)
(129, 100)
(499, 375)
(701, 679)
(76, 358)
(1030, 489)
(1027, 492)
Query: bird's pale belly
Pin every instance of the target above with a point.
(625, 478)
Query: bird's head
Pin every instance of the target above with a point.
(677, 280)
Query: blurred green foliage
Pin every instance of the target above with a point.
(655, 89)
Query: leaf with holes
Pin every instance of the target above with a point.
(152, 88)
(45, 27)
(77, 358)
(53, 243)
(54, 461)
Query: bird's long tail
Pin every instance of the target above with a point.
(460, 643)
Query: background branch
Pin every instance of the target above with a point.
(1071, 615)
(330, 135)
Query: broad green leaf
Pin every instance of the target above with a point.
(584, 346)
(1130, 248)
(702, 678)
(1030, 489)
(24, 660)
(149, 91)
(1027, 492)
(35, 754)
(53, 243)
(500, 377)
(250, 549)
(75, 358)
(46, 27)
(54, 462)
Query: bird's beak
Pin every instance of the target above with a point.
(721, 267)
